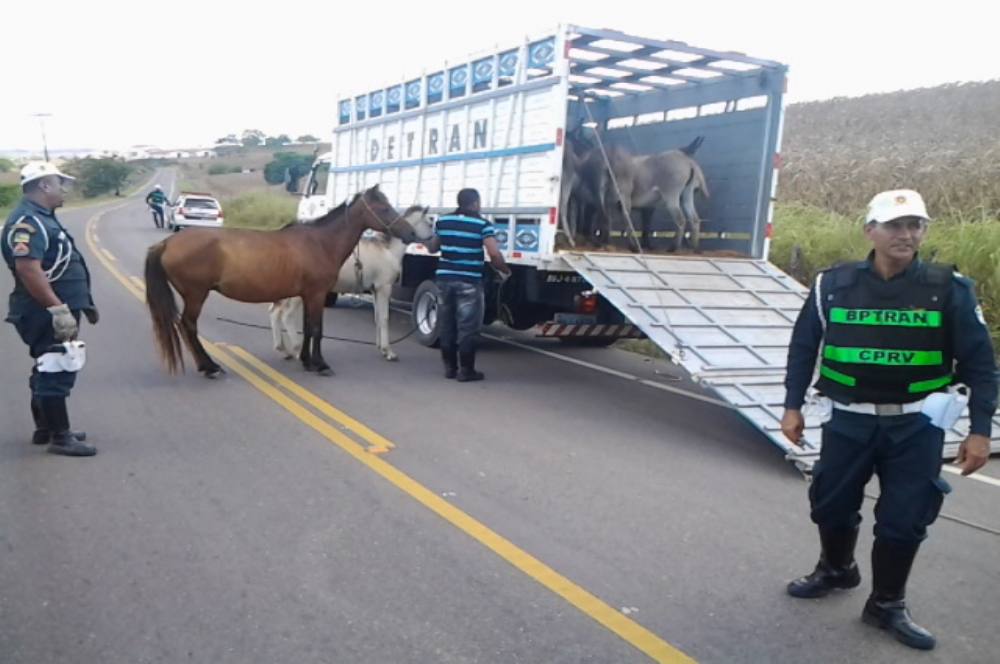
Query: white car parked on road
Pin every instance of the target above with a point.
(194, 208)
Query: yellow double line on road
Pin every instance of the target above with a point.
(252, 369)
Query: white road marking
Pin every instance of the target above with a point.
(986, 479)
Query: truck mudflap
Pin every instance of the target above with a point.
(728, 323)
(587, 330)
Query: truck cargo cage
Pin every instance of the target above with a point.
(501, 121)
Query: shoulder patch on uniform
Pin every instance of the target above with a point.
(22, 226)
(20, 249)
(21, 236)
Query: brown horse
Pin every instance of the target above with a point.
(301, 260)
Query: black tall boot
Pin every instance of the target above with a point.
(886, 607)
(62, 442)
(450, 358)
(467, 367)
(836, 568)
(42, 435)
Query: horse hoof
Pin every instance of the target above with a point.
(214, 373)
(390, 357)
(325, 371)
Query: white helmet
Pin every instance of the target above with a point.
(158, 187)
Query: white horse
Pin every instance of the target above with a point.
(373, 268)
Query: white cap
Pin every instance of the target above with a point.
(39, 169)
(894, 204)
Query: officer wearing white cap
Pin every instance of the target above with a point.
(894, 336)
(51, 292)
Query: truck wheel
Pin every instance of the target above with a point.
(595, 342)
(424, 313)
(331, 300)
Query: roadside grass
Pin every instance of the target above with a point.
(260, 210)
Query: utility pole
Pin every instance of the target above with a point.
(41, 122)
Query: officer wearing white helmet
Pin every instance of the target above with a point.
(896, 334)
(51, 292)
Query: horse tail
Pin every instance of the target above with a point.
(163, 309)
(699, 179)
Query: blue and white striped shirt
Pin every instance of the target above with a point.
(462, 234)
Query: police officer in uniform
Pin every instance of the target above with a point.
(51, 292)
(894, 331)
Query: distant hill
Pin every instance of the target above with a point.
(943, 141)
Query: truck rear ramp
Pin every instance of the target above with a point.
(727, 322)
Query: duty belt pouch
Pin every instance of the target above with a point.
(818, 406)
(69, 356)
(944, 408)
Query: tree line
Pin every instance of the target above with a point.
(254, 137)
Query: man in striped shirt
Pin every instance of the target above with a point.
(461, 237)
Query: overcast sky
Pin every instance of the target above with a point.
(182, 73)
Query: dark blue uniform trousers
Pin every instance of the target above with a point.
(904, 451)
(35, 327)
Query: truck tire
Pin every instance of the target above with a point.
(424, 313)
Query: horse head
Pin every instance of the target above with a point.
(417, 217)
(379, 215)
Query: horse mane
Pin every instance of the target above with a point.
(341, 209)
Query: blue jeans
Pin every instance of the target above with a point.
(460, 314)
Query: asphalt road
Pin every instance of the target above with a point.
(556, 512)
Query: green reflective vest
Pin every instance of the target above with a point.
(885, 341)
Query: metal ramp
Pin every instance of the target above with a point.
(728, 323)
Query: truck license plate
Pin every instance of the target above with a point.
(575, 319)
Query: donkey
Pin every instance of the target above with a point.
(374, 267)
(644, 182)
(575, 152)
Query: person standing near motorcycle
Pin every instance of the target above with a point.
(156, 200)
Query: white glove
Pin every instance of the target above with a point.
(63, 322)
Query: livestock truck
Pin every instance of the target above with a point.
(498, 122)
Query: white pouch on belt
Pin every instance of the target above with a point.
(71, 357)
(944, 408)
(818, 406)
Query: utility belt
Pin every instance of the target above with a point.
(881, 409)
(943, 408)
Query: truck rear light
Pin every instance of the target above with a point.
(586, 302)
